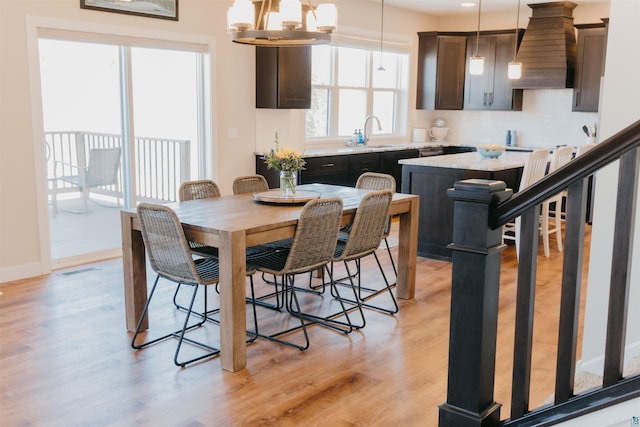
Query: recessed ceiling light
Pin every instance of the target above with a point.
(467, 4)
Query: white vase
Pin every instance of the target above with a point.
(288, 181)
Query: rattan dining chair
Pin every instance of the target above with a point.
(250, 184)
(380, 181)
(312, 248)
(195, 190)
(199, 189)
(364, 238)
(171, 258)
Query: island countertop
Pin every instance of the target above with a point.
(471, 161)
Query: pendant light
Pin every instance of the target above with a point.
(476, 63)
(281, 23)
(514, 69)
(381, 68)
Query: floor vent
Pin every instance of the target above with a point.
(81, 270)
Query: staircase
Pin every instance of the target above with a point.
(481, 208)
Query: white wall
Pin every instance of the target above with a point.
(619, 108)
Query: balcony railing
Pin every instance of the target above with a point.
(161, 164)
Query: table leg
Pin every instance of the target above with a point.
(407, 252)
(233, 322)
(135, 271)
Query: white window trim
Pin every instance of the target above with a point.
(357, 38)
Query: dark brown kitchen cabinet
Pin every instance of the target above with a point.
(343, 169)
(326, 170)
(361, 163)
(283, 77)
(492, 90)
(389, 163)
(441, 65)
(592, 42)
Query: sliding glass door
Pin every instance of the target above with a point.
(122, 124)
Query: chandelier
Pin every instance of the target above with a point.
(281, 23)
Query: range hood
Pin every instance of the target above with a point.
(548, 48)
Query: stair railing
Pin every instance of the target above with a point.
(481, 208)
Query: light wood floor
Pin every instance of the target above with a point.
(65, 360)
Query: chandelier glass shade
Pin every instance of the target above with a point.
(281, 23)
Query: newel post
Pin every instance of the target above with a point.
(476, 252)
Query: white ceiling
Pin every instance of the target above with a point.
(439, 7)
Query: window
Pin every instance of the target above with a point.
(348, 84)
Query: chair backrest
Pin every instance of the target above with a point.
(201, 189)
(250, 184)
(167, 247)
(584, 148)
(535, 168)
(104, 164)
(369, 225)
(561, 156)
(376, 181)
(314, 242)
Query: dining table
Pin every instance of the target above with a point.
(234, 222)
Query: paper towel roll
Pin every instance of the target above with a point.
(419, 135)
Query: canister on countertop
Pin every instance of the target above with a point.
(508, 140)
(419, 135)
(514, 138)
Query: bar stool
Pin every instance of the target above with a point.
(561, 157)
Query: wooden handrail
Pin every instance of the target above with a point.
(581, 167)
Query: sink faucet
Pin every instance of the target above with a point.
(364, 127)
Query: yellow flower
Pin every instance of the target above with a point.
(284, 159)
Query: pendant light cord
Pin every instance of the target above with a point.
(478, 34)
(515, 43)
(381, 68)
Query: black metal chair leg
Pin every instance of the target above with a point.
(181, 338)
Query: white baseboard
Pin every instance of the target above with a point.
(23, 271)
(596, 365)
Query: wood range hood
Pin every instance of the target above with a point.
(548, 48)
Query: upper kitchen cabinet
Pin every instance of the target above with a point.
(283, 77)
(492, 89)
(441, 65)
(592, 42)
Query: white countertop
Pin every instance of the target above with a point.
(471, 161)
(370, 148)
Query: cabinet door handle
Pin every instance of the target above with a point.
(484, 99)
(577, 98)
(491, 98)
(328, 165)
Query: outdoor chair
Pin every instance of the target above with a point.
(102, 170)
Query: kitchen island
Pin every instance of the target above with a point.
(430, 177)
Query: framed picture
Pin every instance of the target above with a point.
(163, 9)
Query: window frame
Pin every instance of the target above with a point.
(400, 91)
